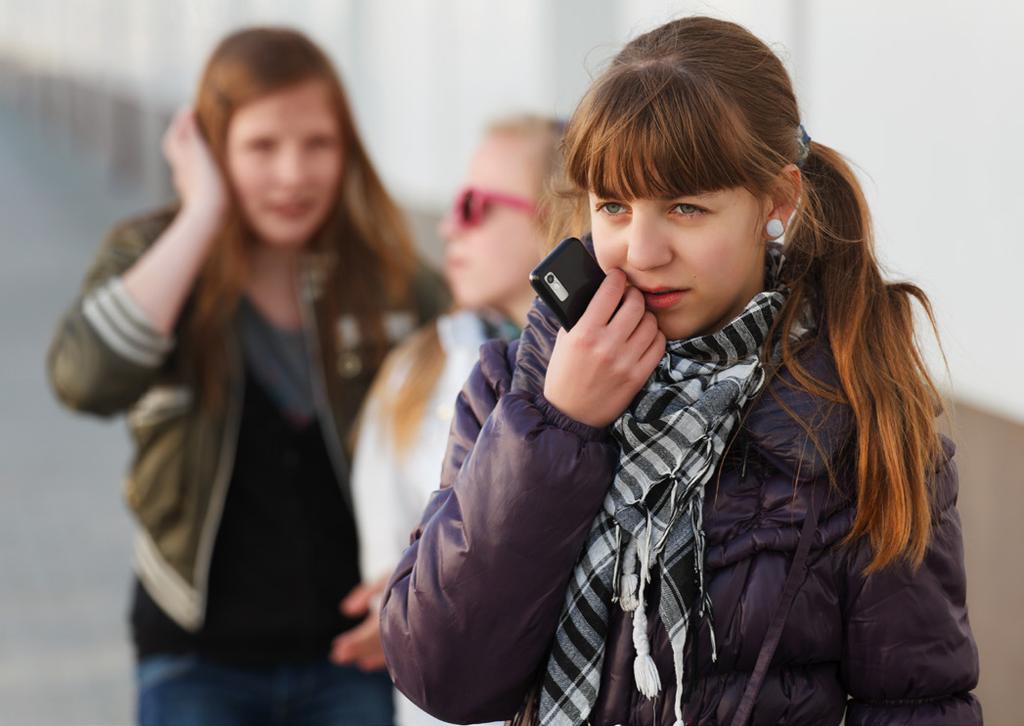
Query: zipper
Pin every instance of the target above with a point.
(222, 477)
(328, 426)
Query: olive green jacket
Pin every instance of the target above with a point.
(106, 358)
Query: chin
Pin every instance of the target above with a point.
(688, 323)
(685, 331)
(291, 238)
(673, 328)
(287, 234)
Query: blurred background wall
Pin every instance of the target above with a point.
(924, 97)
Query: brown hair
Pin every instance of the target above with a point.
(423, 355)
(364, 232)
(700, 105)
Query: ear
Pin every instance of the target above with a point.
(782, 202)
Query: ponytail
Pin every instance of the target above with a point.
(882, 374)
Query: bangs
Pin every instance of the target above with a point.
(655, 132)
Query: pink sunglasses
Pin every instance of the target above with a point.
(471, 204)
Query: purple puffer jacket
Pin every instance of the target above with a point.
(471, 611)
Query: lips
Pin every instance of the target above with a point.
(292, 210)
(662, 299)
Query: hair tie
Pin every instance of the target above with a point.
(803, 141)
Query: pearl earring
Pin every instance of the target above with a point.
(774, 228)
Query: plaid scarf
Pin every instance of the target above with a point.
(671, 438)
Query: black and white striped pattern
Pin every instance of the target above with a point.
(671, 439)
(123, 326)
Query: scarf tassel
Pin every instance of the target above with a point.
(648, 681)
(678, 649)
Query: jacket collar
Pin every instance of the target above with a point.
(797, 431)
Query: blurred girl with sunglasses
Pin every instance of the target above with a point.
(240, 330)
(494, 235)
(721, 497)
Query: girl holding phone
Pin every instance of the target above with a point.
(240, 331)
(721, 497)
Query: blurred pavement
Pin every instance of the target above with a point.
(65, 536)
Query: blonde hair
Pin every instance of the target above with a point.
(422, 356)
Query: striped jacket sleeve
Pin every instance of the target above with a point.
(105, 353)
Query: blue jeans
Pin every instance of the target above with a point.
(188, 690)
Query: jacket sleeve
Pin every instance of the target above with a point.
(105, 353)
(472, 607)
(909, 655)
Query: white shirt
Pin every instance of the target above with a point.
(390, 491)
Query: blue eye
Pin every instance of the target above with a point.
(688, 210)
(612, 208)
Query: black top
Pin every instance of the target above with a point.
(286, 551)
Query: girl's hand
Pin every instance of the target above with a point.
(360, 646)
(196, 176)
(602, 363)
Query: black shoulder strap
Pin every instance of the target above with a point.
(771, 639)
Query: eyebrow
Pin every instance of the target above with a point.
(702, 195)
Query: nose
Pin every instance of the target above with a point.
(649, 246)
(291, 166)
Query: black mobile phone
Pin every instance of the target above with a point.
(567, 279)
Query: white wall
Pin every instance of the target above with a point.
(926, 98)
(923, 96)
